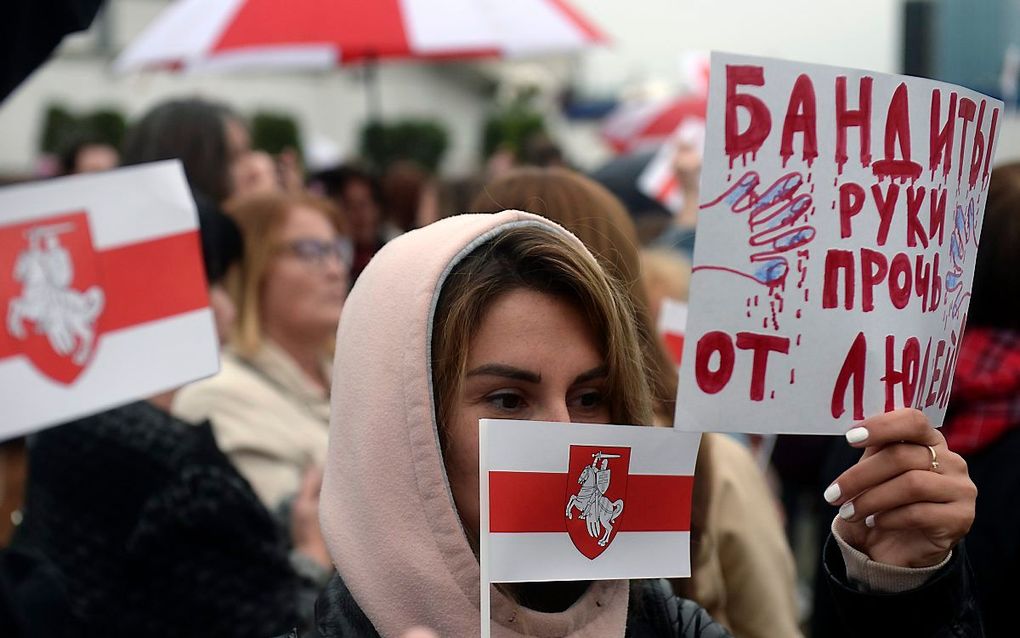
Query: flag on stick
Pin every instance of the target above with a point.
(103, 299)
(565, 501)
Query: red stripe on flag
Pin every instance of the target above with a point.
(152, 280)
(521, 502)
(527, 502)
(674, 345)
(657, 504)
(144, 282)
(666, 187)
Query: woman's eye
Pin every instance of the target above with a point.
(506, 401)
(590, 400)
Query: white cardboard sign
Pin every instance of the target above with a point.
(103, 297)
(836, 242)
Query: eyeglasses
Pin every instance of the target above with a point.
(316, 251)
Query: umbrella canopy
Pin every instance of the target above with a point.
(643, 126)
(231, 34)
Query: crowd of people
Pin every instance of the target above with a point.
(325, 481)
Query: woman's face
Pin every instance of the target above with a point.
(534, 357)
(362, 211)
(224, 311)
(306, 283)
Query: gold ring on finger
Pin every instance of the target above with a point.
(934, 458)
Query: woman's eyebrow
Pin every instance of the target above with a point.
(508, 372)
(597, 372)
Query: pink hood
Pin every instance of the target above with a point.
(386, 509)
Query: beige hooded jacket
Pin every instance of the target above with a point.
(386, 510)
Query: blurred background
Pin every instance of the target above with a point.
(324, 113)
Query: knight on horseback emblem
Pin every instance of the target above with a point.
(65, 316)
(597, 510)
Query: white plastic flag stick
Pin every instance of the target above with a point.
(483, 527)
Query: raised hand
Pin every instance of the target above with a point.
(909, 500)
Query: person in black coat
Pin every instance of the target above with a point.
(32, 29)
(983, 419)
(146, 524)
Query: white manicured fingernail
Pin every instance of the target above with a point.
(857, 435)
(832, 493)
(846, 511)
(870, 520)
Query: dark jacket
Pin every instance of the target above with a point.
(983, 425)
(952, 599)
(154, 531)
(653, 611)
(31, 29)
(944, 607)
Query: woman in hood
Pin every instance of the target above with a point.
(742, 568)
(509, 316)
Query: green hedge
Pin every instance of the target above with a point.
(421, 141)
(61, 126)
(510, 127)
(275, 132)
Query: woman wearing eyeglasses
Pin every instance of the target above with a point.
(269, 405)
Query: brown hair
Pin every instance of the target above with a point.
(260, 218)
(545, 260)
(600, 220)
(192, 129)
(996, 294)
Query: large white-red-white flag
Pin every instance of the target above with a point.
(102, 294)
(566, 501)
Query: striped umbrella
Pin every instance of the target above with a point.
(268, 34)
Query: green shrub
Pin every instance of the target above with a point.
(58, 125)
(510, 127)
(107, 125)
(275, 132)
(61, 127)
(421, 141)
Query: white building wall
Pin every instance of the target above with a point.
(650, 35)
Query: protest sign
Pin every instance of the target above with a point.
(836, 243)
(103, 297)
(566, 501)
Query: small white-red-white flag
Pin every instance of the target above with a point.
(565, 501)
(659, 180)
(103, 298)
(672, 326)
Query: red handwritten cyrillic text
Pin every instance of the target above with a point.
(761, 345)
(859, 118)
(800, 118)
(739, 143)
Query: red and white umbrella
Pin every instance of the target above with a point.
(232, 34)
